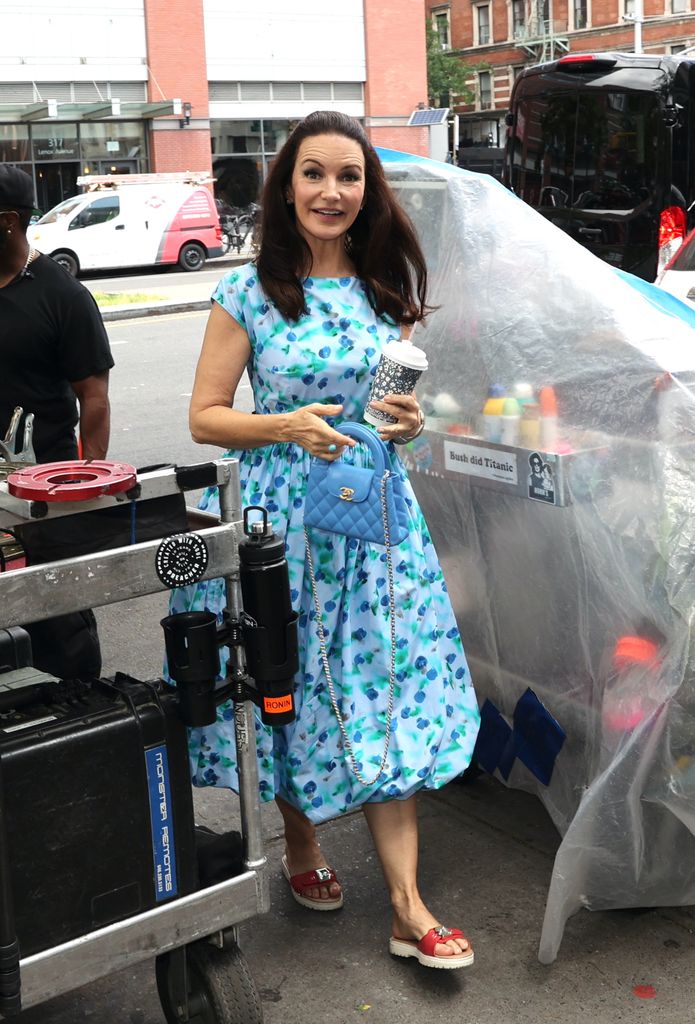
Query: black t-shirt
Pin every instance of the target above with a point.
(51, 333)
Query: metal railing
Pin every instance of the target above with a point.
(539, 28)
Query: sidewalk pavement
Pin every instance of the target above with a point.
(486, 857)
(172, 297)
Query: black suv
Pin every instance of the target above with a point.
(603, 145)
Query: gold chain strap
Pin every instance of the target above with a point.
(324, 652)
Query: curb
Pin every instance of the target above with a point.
(134, 312)
(137, 312)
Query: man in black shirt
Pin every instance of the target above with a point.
(54, 353)
(53, 346)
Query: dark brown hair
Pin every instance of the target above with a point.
(384, 246)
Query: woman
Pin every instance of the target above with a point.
(339, 272)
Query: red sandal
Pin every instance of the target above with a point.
(309, 880)
(424, 950)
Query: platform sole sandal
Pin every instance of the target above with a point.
(424, 953)
(310, 880)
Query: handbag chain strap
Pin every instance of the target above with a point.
(324, 651)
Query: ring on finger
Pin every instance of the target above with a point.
(333, 448)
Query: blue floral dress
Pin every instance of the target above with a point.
(330, 356)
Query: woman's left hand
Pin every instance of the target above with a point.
(407, 411)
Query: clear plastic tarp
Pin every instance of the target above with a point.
(557, 475)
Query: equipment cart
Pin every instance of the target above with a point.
(85, 739)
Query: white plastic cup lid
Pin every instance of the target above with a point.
(407, 354)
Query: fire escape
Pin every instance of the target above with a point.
(538, 34)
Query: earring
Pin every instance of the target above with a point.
(9, 231)
(348, 243)
(288, 200)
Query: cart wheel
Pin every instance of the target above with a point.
(220, 987)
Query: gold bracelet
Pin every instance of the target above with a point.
(420, 428)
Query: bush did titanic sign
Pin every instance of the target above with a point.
(477, 461)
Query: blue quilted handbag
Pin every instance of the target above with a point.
(356, 501)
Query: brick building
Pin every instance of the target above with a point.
(172, 85)
(507, 35)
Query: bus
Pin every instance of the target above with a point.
(603, 146)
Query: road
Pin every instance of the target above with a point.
(150, 388)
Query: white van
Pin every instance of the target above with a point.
(130, 221)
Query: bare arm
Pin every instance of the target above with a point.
(212, 418)
(95, 414)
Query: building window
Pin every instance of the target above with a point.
(55, 142)
(441, 25)
(238, 179)
(679, 6)
(242, 152)
(485, 89)
(14, 144)
(581, 18)
(677, 48)
(317, 91)
(56, 154)
(232, 92)
(347, 91)
(100, 140)
(518, 18)
(629, 7)
(482, 24)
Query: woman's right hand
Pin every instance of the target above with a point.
(308, 429)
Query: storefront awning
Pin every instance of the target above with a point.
(106, 110)
(490, 114)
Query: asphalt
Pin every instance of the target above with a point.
(486, 859)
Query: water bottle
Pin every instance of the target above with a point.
(269, 623)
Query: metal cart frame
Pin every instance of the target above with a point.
(105, 578)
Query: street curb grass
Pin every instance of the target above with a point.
(160, 309)
(135, 312)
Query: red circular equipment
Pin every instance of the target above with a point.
(80, 480)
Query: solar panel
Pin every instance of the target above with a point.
(437, 115)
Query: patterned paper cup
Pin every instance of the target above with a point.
(399, 370)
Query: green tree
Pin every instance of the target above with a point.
(447, 75)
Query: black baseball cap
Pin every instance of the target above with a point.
(16, 188)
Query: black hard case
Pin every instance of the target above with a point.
(78, 807)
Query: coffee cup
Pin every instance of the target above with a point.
(397, 373)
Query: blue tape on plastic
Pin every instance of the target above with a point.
(507, 757)
(493, 736)
(538, 737)
(660, 299)
(163, 852)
